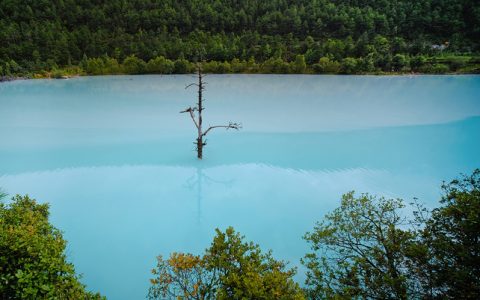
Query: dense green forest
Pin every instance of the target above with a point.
(278, 36)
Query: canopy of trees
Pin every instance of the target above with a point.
(230, 269)
(46, 34)
(33, 264)
(368, 249)
(452, 237)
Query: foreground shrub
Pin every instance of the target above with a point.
(230, 269)
(452, 237)
(359, 251)
(33, 264)
(368, 249)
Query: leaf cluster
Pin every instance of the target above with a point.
(230, 269)
(33, 264)
(452, 236)
(368, 249)
(359, 250)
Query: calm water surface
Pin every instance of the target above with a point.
(115, 159)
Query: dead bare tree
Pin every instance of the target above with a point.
(198, 109)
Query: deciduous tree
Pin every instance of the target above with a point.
(33, 264)
(359, 251)
(452, 235)
(230, 269)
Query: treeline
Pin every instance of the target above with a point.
(325, 65)
(375, 35)
(106, 65)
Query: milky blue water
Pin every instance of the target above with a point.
(115, 159)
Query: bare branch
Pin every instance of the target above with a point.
(192, 115)
(231, 125)
(191, 84)
(188, 109)
(193, 109)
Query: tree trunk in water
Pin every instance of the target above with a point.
(200, 108)
(191, 110)
(199, 147)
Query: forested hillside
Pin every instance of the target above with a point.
(350, 36)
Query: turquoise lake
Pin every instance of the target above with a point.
(115, 159)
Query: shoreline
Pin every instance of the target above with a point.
(386, 74)
(132, 65)
(17, 78)
(12, 78)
